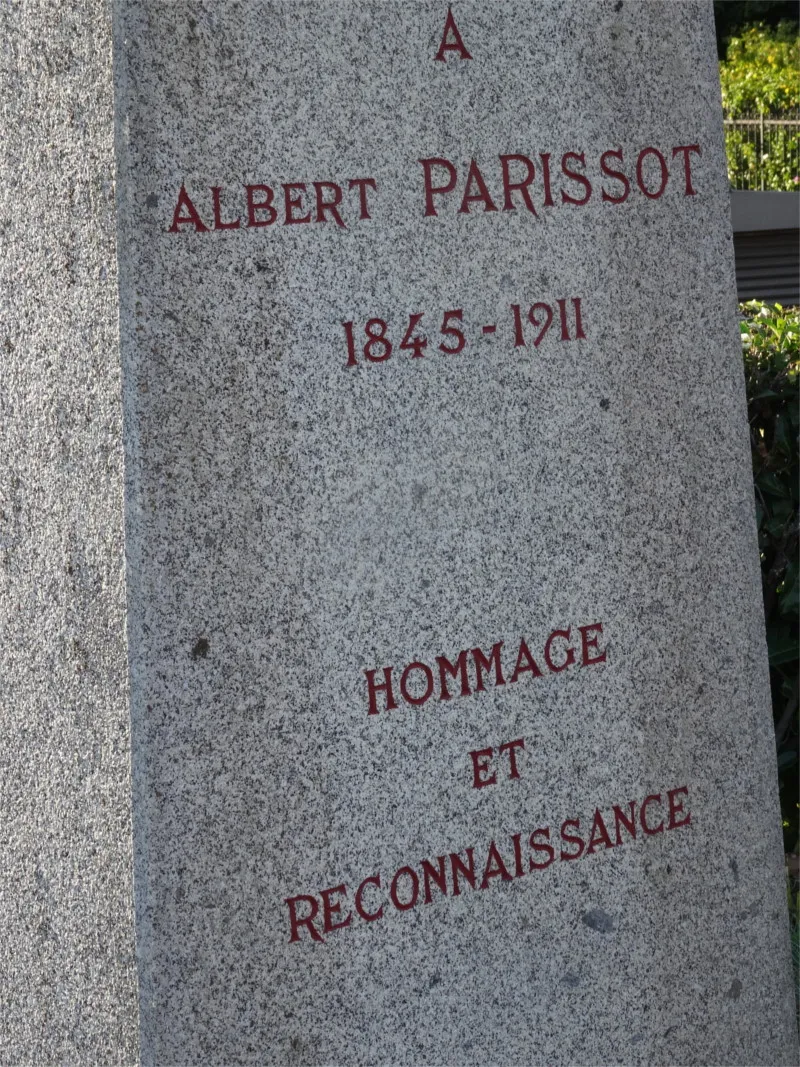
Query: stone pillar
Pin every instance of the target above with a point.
(451, 738)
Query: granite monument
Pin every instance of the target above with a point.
(445, 694)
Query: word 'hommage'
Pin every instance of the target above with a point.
(412, 885)
(417, 682)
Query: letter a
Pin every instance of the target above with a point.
(190, 219)
(454, 45)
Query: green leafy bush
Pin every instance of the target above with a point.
(761, 77)
(771, 341)
(761, 72)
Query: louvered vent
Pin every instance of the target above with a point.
(768, 266)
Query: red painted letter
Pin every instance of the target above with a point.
(414, 889)
(297, 921)
(588, 643)
(546, 848)
(481, 763)
(362, 184)
(509, 186)
(456, 45)
(570, 652)
(620, 177)
(261, 205)
(330, 909)
(374, 689)
(687, 166)
(430, 189)
(432, 874)
(640, 172)
(416, 701)
(525, 662)
(331, 205)
(511, 747)
(598, 828)
(474, 175)
(654, 798)
(216, 191)
(571, 839)
(677, 809)
(191, 218)
(368, 916)
(292, 202)
(581, 158)
(482, 663)
(453, 669)
(628, 823)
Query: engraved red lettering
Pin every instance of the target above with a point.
(548, 646)
(332, 205)
(412, 874)
(417, 666)
(216, 193)
(518, 869)
(368, 916)
(453, 670)
(545, 847)
(629, 822)
(687, 149)
(330, 909)
(599, 835)
(482, 663)
(525, 663)
(474, 176)
(654, 798)
(454, 45)
(433, 874)
(192, 218)
(548, 193)
(617, 175)
(432, 190)
(458, 867)
(262, 205)
(362, 184)
(589, 643)
(676, 809)
(308, 920)
(511, 748)
(510, 187)
(584, 181)
(494, 867)
(481, 764)
(645, 152)
(571, 839)
(293, 203)
(374, 689)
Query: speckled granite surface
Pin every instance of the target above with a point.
(295, 522)
(450, 724)
(67, 967)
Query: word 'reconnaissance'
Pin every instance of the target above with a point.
(511, 182)
(447, 875)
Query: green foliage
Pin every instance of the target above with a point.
(771, 341)
(731, 16)
(761, 73)
(761, 76)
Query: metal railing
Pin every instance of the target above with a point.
(764, 151)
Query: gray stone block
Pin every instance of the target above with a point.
(358, 576)
(68, 990)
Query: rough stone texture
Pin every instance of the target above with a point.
(291, 523)
(67, 970)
